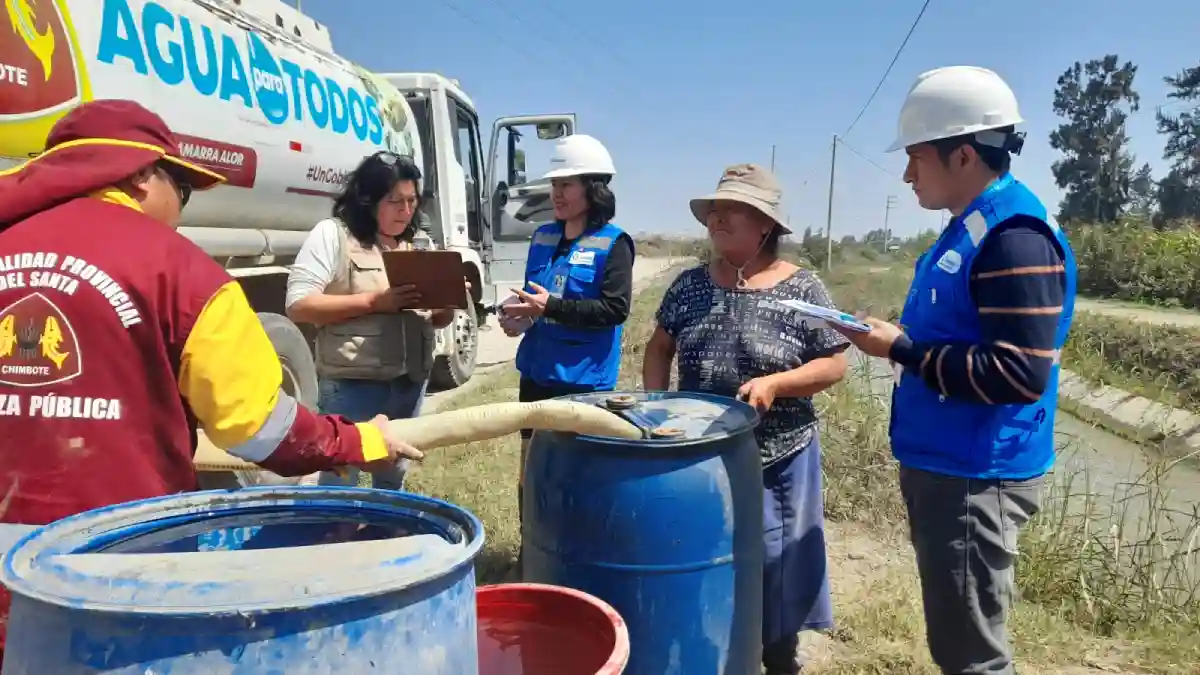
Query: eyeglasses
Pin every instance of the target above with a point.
(182, 185)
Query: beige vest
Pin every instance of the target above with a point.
(372, 346)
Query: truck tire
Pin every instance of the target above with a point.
(454, 369)
(299, 369)
(299, 380)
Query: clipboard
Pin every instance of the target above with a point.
(438, 276)
(825, 315)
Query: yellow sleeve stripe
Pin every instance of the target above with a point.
(373, 446)
(230, 374)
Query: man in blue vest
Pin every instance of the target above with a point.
(976, 359)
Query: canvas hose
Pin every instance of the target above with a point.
(469, 425)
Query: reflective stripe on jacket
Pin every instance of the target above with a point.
(555, 353)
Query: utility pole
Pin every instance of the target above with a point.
(829, 209)
(772, 158)
(887, 234)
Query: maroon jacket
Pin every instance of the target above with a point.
(116, 335)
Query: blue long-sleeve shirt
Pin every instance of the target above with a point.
(1018, 284)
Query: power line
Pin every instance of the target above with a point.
(498, 36)
(887, 72)
(866, 159)
(566, 21)
(540, 59)
(871, 98)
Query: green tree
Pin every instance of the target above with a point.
(1178, 198)
(1143, 193)
(1180, 189)
(1095, 99)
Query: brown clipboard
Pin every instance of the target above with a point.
(438, 276)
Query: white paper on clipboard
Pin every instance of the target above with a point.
(817, 315)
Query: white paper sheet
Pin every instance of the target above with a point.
(817, 315)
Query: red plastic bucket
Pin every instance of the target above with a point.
(535, 629)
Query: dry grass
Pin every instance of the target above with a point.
(1088, 617)
(1159, 362)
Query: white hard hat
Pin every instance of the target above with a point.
(955, 101)
(580, 155)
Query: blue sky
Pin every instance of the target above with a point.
(677, 94)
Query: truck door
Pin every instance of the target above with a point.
(517, 205)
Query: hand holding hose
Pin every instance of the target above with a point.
(396, 448)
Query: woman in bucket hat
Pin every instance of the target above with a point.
(769, 357)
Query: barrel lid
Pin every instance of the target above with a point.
(674, 416)
(127, 558)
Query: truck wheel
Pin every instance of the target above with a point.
(299, 381)
(454, 369)
(299, 369)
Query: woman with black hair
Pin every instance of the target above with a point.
(374, 347)
(579, 279)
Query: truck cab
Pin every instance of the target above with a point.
(481, 205)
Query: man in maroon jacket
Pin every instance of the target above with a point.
(118, 336)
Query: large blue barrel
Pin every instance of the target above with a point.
(259, 581)
(668, 530)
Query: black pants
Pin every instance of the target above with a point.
(964, 533)
(531, 391)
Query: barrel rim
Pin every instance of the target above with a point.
(615, 665)
(68, 534)
(753, 421)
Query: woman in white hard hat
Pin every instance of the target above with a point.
(579, 283)
(987, 315)
(721, 322)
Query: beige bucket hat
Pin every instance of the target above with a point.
(749, 184)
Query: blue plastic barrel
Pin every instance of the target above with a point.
(668, 530)
(299, 580)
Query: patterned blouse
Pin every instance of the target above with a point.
(727, 337)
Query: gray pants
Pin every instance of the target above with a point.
(964, 533)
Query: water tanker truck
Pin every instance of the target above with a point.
(256, 92)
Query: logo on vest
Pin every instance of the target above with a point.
(950, 262)
(37, 344)
(37, 61)
(583, 258)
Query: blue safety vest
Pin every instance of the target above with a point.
(553, 353)
(956, 437)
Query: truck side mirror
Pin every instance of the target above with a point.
(518, 162)
(551, 131)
